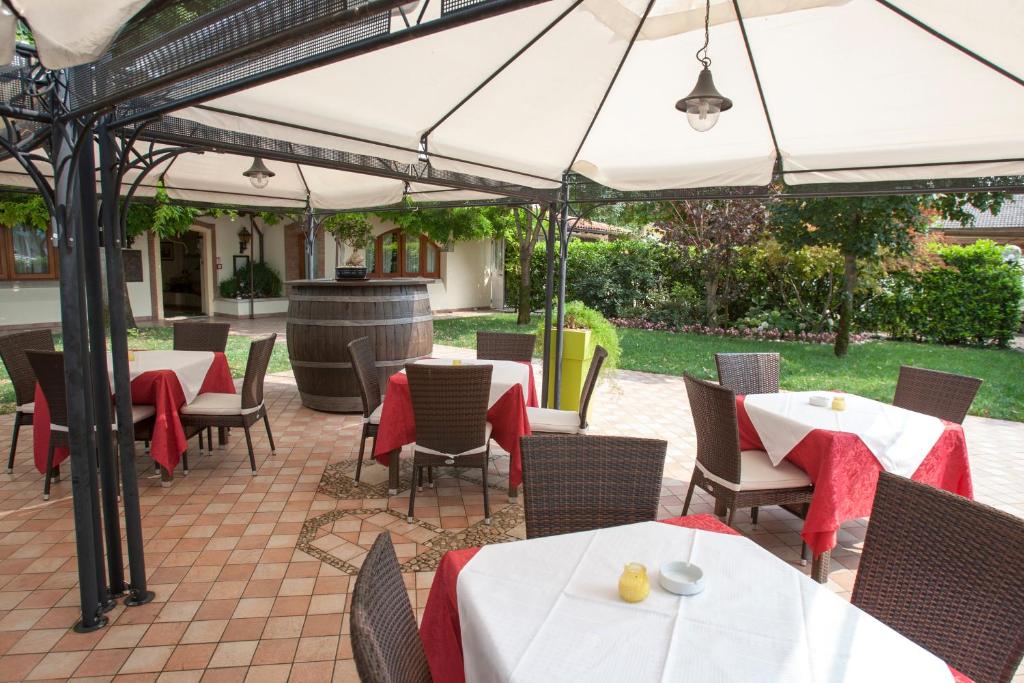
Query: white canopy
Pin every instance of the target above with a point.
(854, 92)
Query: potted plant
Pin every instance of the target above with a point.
(354, 231)
(583, 331)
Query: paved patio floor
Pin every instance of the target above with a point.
(253, 573)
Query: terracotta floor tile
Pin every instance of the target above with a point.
(244, 629)
(191, 656)
(103, 663)
(204, 631)
(269, 673)
(278, 651)
(164, 634)
(57, 665)
(147, 659)
(233, 654)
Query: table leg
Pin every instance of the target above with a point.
(393, 460)
(166, 477)
(820, 567)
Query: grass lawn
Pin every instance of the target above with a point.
(161, 338)
(870, 369)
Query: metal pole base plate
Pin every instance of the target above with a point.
(108, 605)
(135, 599)
(79, 627)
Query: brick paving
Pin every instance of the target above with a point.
(253, 573)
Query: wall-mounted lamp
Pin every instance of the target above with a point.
(244, 237)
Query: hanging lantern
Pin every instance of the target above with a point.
(244, 237)
(258, 174)
(704, 103)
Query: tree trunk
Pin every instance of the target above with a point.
(711, 300)
(846, 308)
(523, 306)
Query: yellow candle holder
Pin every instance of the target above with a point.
(839, 403)
(131, 356)
(457, 361)
(634, 586)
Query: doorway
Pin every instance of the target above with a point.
(181, 274)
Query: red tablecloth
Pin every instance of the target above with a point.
(845, 474)
(158, 388)
(439, 629)
(507, 417)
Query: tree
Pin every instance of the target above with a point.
(527, 229)
(713, 231)
(863, 228)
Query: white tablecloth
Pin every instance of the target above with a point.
(506, 374)
(899, 438)
(189, 366)
(548, 609)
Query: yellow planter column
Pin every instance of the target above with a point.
(576, 355)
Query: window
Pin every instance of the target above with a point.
(395, 254)
(27, 254)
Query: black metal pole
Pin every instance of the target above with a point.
(563, 255)
(549, 286)
(113, 240)
(67, 223)
(252, 268)
(100, 377)
(311, 228)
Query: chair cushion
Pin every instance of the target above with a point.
(758, 474)
(217, 404)
(26, 408)
(549, 420)
(140, 413)
(374, 418)
(472, 451)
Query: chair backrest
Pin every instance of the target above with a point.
(749, 373)
(948, 573)
(941, 394)
(256, 370)
(201, 336)
(385, 640)
(364, 365)
(49, 370)
(600, 353)
(505, 346)
(714, 416)
(581, 482)
(450, 405)
(12, 352)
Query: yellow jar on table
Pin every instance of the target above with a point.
(634, 586)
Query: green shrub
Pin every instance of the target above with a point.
(266, 283)
(578, 316)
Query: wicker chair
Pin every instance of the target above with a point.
(554, 421)
(237, 410)
(578, 483)
(201, 336)
(12, 352)
(505, 346)
(947, 573)
(749, 373)
(385, 639)
(49, 368)
(940, 394)
(738, 479)
(450, 408)
(365, 367)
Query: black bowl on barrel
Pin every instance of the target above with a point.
(350, 273)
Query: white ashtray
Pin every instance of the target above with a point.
(821, 400)
(681, 578)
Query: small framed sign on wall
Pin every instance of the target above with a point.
(132, 259)
(240, 261)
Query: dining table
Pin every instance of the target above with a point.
(512, 390)
(843, 451)
(548, 609)
(166, 380)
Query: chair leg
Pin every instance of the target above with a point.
(49, 471)
(689, 496)
(732, 511)
(200, 435)
(412, 491)
(362, 449)
(248, 442)
(487, 498)
(209, 440)
(184, 459)
(270, 436)
(805, 554)
(14, 443)
(430, 477)
(145, 445)
(753, 516)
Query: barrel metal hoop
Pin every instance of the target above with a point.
(384, 298)
(362, 323)
(342, 365)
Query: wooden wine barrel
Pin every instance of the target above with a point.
(325, 315)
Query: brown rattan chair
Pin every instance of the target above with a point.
(450, 408)
(505, 346)
(948, 573)
(49, 369)
(578, 483)
(749, 373)
(738, 479)
(237, 410)
(201, 336)
(12, 352)
(364, 365)
(941, 394)
(385, 639)
(554, 421)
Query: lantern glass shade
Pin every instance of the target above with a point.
(258, 174)
(704, 103)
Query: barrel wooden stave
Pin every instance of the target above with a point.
(324, 317)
